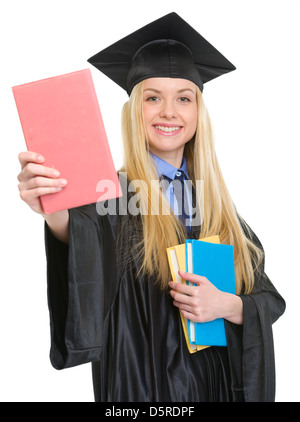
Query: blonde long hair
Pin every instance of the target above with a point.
(163, 229)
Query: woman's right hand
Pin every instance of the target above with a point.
(36, 180)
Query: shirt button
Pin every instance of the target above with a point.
(178, 173)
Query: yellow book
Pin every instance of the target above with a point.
(176, 257)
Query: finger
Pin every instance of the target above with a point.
(184, 300)
(33, 169)
(194, 278)
(182, 288)
(183, 306)
(181, 297)
(188, 312)
(190, 316)
(29, 195)
(39, 181)
(29, 156)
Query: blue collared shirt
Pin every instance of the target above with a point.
(166, 169)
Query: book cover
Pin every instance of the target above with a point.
(216, 263)
(177, 261)
(61, 120)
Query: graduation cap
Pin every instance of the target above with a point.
(167, 47)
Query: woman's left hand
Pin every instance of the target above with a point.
(204, 302)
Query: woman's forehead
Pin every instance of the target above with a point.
(169, 84)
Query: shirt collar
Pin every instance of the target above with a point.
(167, 169)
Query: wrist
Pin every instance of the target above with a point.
(58, 224)
(233, 308)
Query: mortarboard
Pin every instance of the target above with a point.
(167, 47)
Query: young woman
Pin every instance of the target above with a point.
(111, 300)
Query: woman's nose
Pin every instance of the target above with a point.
(168, 110)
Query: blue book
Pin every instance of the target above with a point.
(216, 263)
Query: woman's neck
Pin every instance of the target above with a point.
(172, 157)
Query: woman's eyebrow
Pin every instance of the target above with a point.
(186, 89)
(157, 91)
(152, 90)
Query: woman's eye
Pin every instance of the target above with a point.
(184, 100)
(152, 99)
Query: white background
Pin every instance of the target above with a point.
(255, 113)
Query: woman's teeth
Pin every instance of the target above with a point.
(167, 129)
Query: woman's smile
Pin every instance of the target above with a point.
(167, 130)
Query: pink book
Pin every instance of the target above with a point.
(61, 120)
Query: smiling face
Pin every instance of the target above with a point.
(170, 116)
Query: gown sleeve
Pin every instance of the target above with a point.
(250, 347)
(75, 288)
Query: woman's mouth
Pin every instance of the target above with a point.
(167, 129)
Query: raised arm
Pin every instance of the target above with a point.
(36, 180)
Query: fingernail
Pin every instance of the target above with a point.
(62, 182)
(40, 158)
(55, 173)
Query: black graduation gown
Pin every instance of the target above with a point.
(103, 311)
